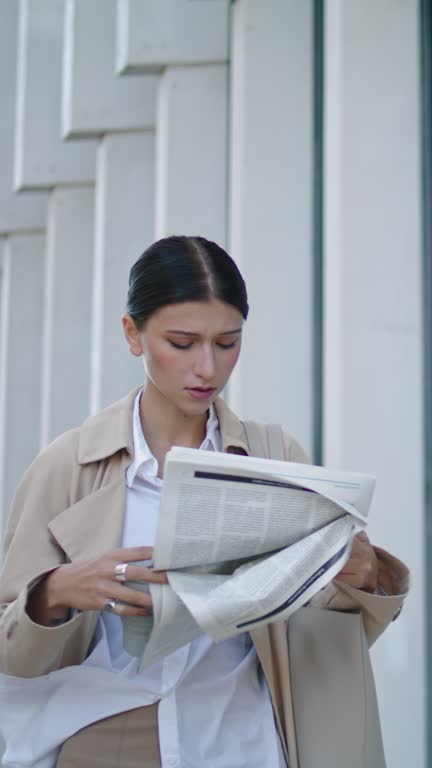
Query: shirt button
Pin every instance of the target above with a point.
(173, 761)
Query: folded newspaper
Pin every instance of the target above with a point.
(245, 541)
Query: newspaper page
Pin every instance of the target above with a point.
(246, 541)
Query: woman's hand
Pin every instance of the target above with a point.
(88, 585)
(361, 570)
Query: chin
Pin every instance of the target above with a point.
(196, 407)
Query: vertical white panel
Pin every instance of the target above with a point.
(3, 242)
(271, 208)
(67, 306)
(124, 228)
(3, 361)
(17, 212)
(41, 158)
(191, 152)
(95, 100)
(154, 33)
(21, 350)
(374, 330)
(333, 271)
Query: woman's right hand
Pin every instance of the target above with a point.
(88, 586)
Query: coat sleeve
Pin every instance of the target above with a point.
(378, 610)
(28, 649)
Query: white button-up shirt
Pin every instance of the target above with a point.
(215, 707)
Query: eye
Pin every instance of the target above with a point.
(227, 346)
(176, 345)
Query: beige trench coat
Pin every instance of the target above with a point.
(70, 506)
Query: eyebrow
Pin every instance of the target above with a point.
(189, 333)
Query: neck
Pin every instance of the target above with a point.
(165, 425)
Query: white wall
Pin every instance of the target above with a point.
(124, 227)
(94, 100)
(41, 159)
(21, 355)
(271, 208)
(373, 405)
(67, 306)
(153, 34)
(17, 212)
(191, 156)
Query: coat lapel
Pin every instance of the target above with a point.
(93, 525)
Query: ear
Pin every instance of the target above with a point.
(132, 335)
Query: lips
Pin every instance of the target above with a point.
(201, 393)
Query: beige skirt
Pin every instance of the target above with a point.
(127, 740)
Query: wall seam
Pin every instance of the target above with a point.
(425, 34)
(318, 229)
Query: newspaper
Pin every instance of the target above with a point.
(246, 541)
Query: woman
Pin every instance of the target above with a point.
(86, 512)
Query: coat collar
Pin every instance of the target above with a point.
(110, 431)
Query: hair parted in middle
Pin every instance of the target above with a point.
(182, 268)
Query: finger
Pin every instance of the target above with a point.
(362, 540)
(354, 580)
(141, 573)
(357, 548)
(347, 572)
(124, 609)
(136, 597)
(343, 582)
(365, 575)
(132, 554)
(362, 536)
(128, 595)
(353, 564)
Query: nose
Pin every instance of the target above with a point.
(205, 362)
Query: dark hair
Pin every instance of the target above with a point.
(179, 268)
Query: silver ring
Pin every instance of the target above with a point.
(120, 571)
(110, 606)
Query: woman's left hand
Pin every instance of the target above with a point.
(361, 570)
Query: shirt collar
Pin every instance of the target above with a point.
(110, 431)
(144, 464)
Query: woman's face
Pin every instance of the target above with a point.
(189, 350)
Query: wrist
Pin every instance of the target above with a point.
(44, 604)
(51, 588)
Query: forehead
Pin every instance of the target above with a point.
(197, 317)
